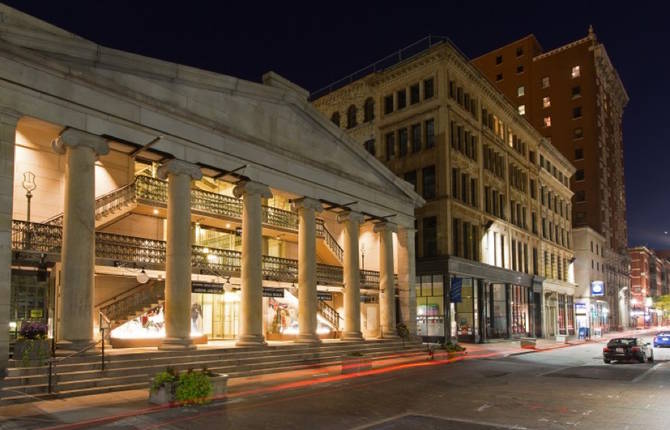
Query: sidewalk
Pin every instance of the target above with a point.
(81, 412)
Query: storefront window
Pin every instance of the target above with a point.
(570, 315)
(216, 315)
(519, 307)
(430, 306)
(561, 314)
(498, 311)
(465, 317)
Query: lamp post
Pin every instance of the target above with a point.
(362, 257)
(29, 185)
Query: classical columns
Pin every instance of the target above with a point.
(386, 280)
(407, 278)
(178, 253)
(81, 150)
(251, 301)
(8, 121)
(352, 276)
(307, 296)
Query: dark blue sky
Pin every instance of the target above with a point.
(315, 43)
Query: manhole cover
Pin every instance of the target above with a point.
(430, 423)
(612, 372)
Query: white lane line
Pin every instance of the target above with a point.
(556, 370)
(446, 419)
(646, 373)
(483, 407)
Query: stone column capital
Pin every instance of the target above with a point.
(350, 216)
(179, 167)
(307, 203)
(77, 138)
(385, 226)
(251, 187)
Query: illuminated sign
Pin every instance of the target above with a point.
(597, 288)
(328, 297)
(273, 292)
(206, 287)
(580, 308)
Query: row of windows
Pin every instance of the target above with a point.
(465, 238)
(400, 102)
(403, 135)
(352, 114)
(555, 172)
(518, 215)
(517, 178)
(553, 202)
(519, 254)
(555, 233)
(463, 141)
(463, 187)
(493, 123)
(428, 190)
(494, 162)
(555, 266)
(463, 99)
(494, 202)
(517, 144)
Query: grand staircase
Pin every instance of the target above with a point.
(79, 376)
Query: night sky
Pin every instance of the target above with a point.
(315, 43)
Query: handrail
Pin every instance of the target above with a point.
(122, 295)
(329, 239)
(53, 361)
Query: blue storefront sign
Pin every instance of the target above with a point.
(597, 288)
(456, 291)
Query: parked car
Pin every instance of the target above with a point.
(626, 349)
(662, 339)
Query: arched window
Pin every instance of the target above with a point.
(335, 117)
(369, 110)
(351, 116)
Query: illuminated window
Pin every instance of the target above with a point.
(547, 121)
(521, 91)
(546, 102)
(545, 82)
(522, 109)
(575, 72)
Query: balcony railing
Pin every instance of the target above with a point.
(121, 250)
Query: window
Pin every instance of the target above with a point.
(401, 97)
(579, 175)
(522, 109)
(454, 183)
(499, 77)
(402, 142)
(430, 133)
(430, 236)
(388, 104)
(533, 220)
(519, 69)
(575, 72)
(546, 102)
(545, 82)
(428, 182)
(411, 178)
(351, 116)
(455, 233)
(576, 91)
(577, 112)
(369, 110)
(579, 154)
(390, 146)
(416, 138)
(335, 118)
(451, 89)
(499, 59)
(428, 88)
(370, 146)
(473, 192)
(519, 51)
(577, 133)
(414, 94)
(547, 121)
(521, 91)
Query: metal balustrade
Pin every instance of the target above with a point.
(121, 250)
(153, 192)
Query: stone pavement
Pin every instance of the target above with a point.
(81, 412)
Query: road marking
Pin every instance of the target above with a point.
(646, 373)
(556, 370)
(437, 417)
(483, 407)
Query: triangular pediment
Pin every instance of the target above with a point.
(276, 116)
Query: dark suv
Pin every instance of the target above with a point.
(628, 348)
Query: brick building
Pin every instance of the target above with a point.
(649, 279)
(574, 97)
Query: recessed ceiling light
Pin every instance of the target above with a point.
(155, 211)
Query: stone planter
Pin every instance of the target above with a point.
(219, 385)
(32, 350)
(165, 394)
(354, 364)
(528, 342)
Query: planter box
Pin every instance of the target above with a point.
(528, 342)
(34, 350)
(219, 385)
(165, 394)
(355, 364)
(561, 338)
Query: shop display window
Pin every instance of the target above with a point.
(430, 306)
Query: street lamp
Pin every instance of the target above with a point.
(362, 256)
(29, 185)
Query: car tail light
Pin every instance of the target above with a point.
(635, 349)
(606, 349)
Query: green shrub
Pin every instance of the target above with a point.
(162, 378)
(193, 387)
(402, 330)
(453, 347)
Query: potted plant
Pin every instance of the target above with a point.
(355, 362)
(448, 349)
(403, 332)
(32, 344)
(188, 387)
(164, 386)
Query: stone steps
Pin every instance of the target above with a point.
(135, 370)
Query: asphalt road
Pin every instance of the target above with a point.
(568, 388)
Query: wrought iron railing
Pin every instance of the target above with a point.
(331, 243)
(135, 302)
(121, 250)
(329, 313)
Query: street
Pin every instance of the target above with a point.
(558, 389)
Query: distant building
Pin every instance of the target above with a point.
(574, 97)
(496, 226)
(649, 279)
